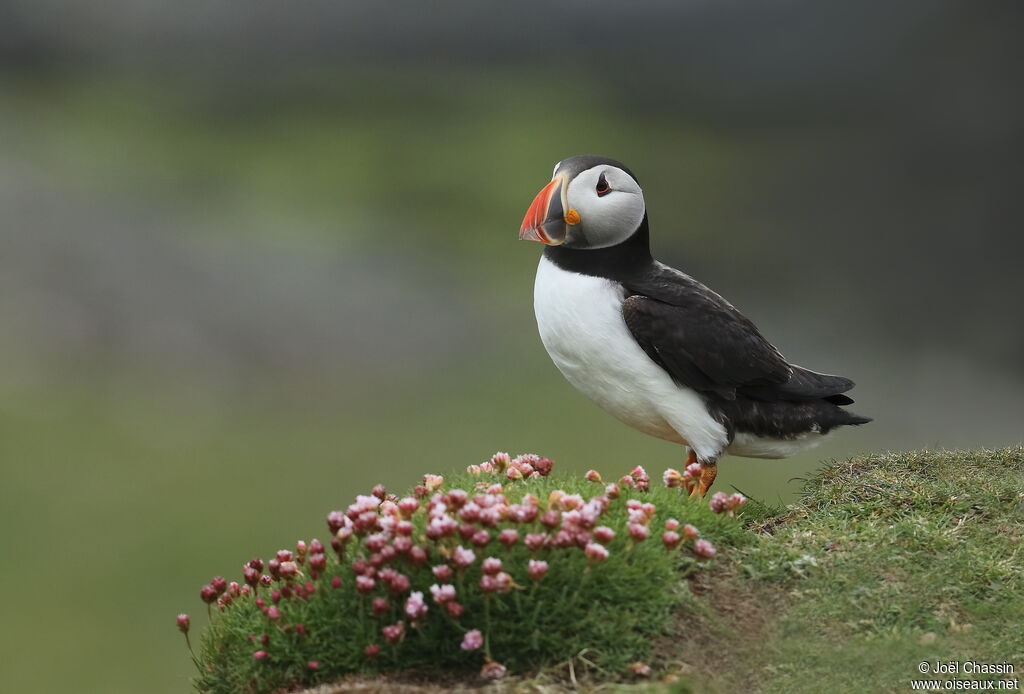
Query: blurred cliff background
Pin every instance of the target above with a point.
(255, 257)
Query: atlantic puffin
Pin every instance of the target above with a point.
(653, 346)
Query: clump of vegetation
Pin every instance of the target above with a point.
(505, 567)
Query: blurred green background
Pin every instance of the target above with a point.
(255, 258)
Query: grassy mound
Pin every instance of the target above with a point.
(610, 583)
(893, 560)
(889, 561)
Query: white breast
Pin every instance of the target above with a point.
(581, 326)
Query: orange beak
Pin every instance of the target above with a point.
(545, 220)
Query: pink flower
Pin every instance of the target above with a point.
(273, 614)
(432, 482)
(454, 609)
(399, 583)
(474, 470)
(536, 569)
(335, 520)
(543, 466)
(690, 532)
(443, 593)
(401, 544)
(393, 633)
(372, 651)
(671, 524)
(442, 572)
(365, 584)
(441, 526)
(472, 640)
(415, 607)
(481, 538)
(288, 569)
(671, 539)
(418, 554)
(593, 476)
(612, 491)
(704, 549)
(638, 532)
(535, 541)
(551, 519)
(493, 670)
(456, 498)
(491, 566)
(488, 584)
(408, 505)
(336, 582)
(499, 461)
(462, 557)
(260, 655)
(503, 582)
(604, 534)
(641, 481)
(313, 665)
(184, 623)
(718, 502)
(596, 553)
(508, 537)
(672, 478)
(251, 575)
(380, 605)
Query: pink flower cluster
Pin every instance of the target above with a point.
(388, 543)
(637, 479)
(686, 479)
(525, 466)
(726, 503)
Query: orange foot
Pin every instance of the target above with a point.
(708, 473)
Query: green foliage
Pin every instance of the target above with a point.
(609, 610)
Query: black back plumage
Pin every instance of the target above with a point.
(706, 344)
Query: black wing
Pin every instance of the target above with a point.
(709, 346)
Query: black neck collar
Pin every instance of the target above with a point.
(614, 262)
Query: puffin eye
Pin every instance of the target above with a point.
(602, 186)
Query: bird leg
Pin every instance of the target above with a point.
(689, 483)
(708, 473)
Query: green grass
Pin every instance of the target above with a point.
(895, 559)
(608, 612)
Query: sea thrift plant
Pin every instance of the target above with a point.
(724, 503)
(504, 567)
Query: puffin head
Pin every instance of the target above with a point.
(591, 202)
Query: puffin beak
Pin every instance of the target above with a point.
(545, 221)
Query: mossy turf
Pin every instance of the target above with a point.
(888, 561)
(606, 614)
(891, 560)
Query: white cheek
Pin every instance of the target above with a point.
(612, 222)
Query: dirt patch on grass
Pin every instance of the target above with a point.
(720, 639)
